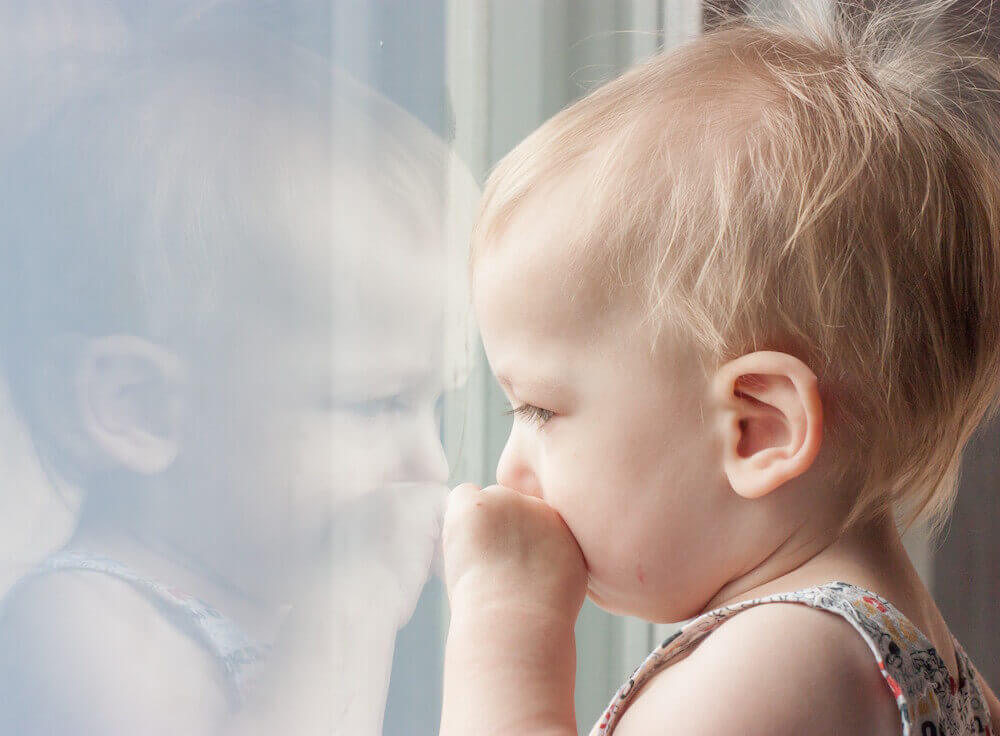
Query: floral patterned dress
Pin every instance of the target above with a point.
(931, 702)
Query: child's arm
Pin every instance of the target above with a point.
(508, 669)
(516, 582)
(781, 669)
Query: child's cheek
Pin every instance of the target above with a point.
(574, 496)
(351, 454)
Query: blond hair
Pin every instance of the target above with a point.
(825, 184)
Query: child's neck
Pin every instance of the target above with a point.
(870, 555)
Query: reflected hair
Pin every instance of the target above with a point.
(165, 194)
(821, 182)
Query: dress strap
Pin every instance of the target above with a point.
(930, 701)
(238, 655)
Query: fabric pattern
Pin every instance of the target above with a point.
(930, 701)
(239, 657)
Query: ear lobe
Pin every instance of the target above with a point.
(771, 420)
(129, 395)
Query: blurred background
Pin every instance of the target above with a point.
(242, 139)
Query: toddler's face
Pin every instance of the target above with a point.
(628, 456)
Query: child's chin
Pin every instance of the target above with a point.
(604, 603)
(617, 607)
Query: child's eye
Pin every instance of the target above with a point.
(533, 413)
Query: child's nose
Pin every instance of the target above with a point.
(428, 461)
(514, 470)
(421, 457)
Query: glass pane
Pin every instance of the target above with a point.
(234, 345)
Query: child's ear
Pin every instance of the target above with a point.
(771, 420)
(131, 399)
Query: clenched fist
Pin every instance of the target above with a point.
(505, 549)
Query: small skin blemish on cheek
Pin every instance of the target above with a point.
(638, 573)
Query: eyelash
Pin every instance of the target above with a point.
(532, 413)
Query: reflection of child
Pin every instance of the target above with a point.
(185, 331)
(745, 302)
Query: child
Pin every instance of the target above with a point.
(745, 302)
(203, 332)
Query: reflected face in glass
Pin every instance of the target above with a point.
(298, 284)
(387, 317)
(326, 389)
(611, 439)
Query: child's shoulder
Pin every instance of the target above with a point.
(83, 648)
(771, 669)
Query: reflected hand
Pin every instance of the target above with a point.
(506, 548)
(383, 548)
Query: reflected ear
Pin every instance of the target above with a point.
(771, 420)
(130, 396)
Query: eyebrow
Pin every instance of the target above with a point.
(543, 385)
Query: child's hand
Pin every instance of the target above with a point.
(516, 581)
(505, 548)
